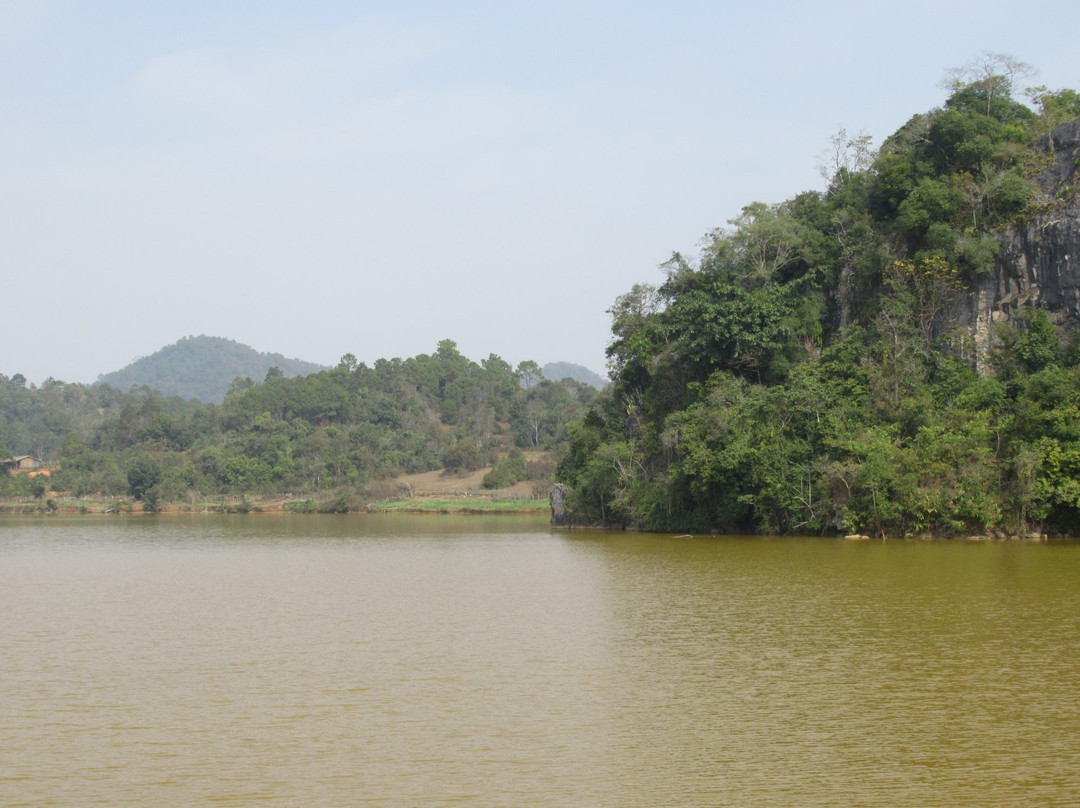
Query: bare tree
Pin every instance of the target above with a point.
(845, 154)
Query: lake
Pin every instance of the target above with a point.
(488, 661)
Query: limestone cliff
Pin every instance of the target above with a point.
(1038, 264)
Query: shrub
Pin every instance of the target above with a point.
(463, 455)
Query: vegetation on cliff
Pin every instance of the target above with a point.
(809, 371)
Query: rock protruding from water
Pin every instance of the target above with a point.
(557, 497)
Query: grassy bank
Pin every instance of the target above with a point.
(461, 505)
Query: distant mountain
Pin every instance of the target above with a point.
(203, 367)
(557, 371)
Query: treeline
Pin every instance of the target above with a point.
(807, 372)
(341, 428)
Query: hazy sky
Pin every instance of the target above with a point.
(327, 177)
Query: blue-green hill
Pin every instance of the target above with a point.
(557, 371)
(203, 367)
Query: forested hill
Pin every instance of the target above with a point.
(203, 367)
(335, 435)
(894, 356)
(557, 371)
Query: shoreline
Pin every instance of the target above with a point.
(435, 504)
(416, 505)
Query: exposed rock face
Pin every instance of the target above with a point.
(1039, 264)
(557, 498)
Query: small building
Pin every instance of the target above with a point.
(22, 463)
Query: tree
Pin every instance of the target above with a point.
(716, 324)
(845, 156)
(1038, 345)
(37, 487)
(528, 373)
(74, 446)
(765, 242)
(447, 350)
(1055, 107)
(463, 455)
(239, 385)
(992, 75)
(934, 287)
(144, 472)
(635, 329)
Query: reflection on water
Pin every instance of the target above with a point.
(489, 662)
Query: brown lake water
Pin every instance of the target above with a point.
(474, 661)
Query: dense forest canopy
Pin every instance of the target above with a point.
(812, 370)
(338, 429)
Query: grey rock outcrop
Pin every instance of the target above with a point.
(1037, 264)
(557, 498)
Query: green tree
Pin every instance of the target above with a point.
(528, 373)
(143, 473)
(636, 330)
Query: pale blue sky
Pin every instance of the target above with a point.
(372, 177)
